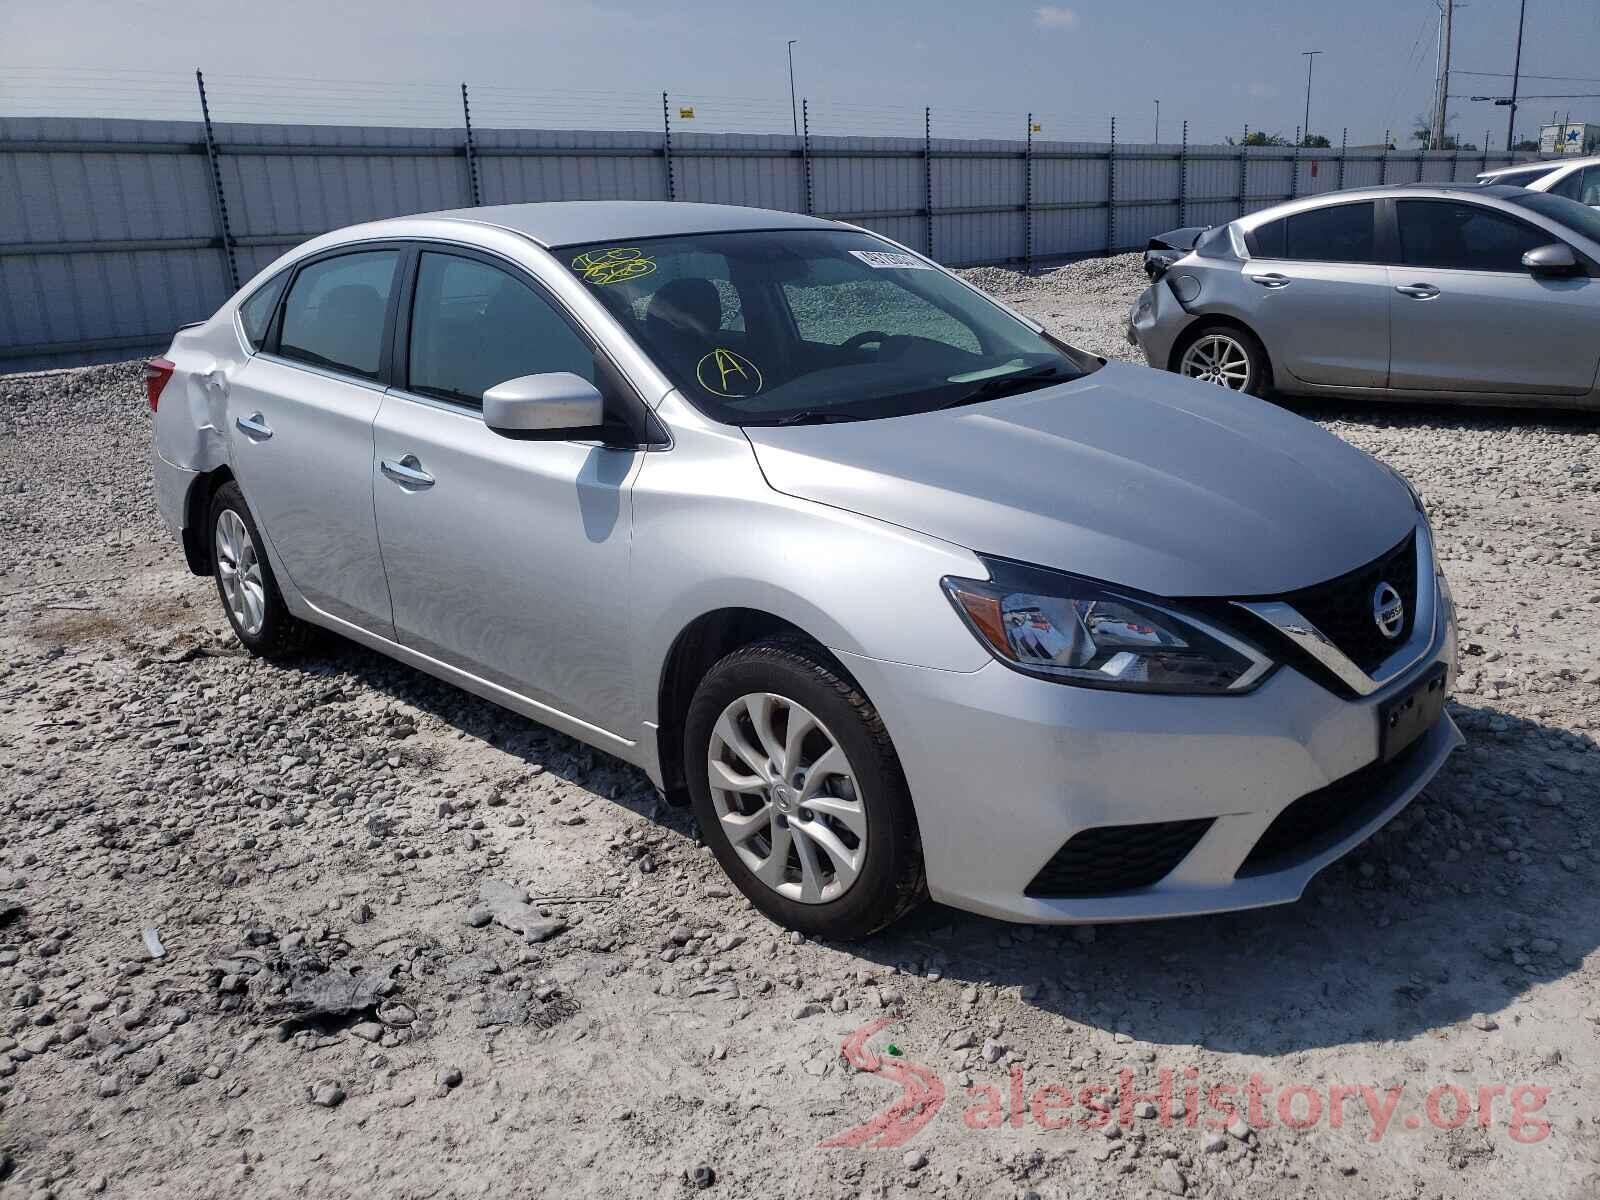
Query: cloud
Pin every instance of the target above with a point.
(1262, 90)
(1054, 16)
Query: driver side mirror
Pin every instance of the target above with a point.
(1555, 259)
(552, 406)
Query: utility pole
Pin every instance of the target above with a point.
(1440, 117)
(793, 112)
(1516, 71)
(1157, 138)
(1311, 58)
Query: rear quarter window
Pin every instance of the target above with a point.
(255, 314)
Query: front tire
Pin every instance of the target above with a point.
(799, 793)
(1229, 356)
(245, 583)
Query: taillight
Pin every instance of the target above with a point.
(156, 373)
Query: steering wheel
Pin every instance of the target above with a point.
(865, 337)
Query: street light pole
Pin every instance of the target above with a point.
(1157, 138)
(1516, 71)
(1311, 58)
(794, 113)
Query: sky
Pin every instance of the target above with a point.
(867, 66)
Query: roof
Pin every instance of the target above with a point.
(570, 222)
(1542, 165)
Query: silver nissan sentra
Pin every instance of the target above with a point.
(907, 597)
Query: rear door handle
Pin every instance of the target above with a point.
(1271, 280)
(407, 472)
(1417, 291)
(254, 427)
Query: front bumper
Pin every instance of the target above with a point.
(1155, 322)
(1005, 768)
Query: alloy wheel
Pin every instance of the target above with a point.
(239, 572)
(787, 798)
(1219, 359)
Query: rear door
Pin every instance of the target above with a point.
(299, 425)
(506, 558)
(1318, 296)
(1469, 317)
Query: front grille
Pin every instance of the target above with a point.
(1117, 858)
(1318, 819)
(1342, 608)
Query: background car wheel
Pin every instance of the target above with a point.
(1227, 356)
(799, 793)
(249, 593)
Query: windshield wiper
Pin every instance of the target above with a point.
(1001, 385)
(810, 416)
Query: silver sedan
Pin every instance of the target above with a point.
(903, 595)
(1487, 295)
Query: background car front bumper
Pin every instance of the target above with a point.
(1005, 768)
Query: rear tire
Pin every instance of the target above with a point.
(785, 731)
(1229, 356)
(245, 583)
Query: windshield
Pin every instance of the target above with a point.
(804, 326)
(1518, 178)
(1579, 218)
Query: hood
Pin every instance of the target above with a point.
(1129, 475)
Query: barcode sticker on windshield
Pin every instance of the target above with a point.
(883, 260)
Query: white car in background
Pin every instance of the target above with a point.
(1576, 179)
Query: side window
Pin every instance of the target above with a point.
(474, 325)
(335, 311)
(1339, 233)
(1569, 185)
(830, 312)
(1463, 237)
(1589, 193)
(255, 314)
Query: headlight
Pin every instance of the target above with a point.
(1077, 631)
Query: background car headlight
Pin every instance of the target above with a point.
(1073, 630)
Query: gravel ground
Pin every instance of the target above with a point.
(406, 944)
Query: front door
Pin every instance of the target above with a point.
(506, 558)
(299, 426)
(1468, 316)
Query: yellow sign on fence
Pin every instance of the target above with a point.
(686, 114)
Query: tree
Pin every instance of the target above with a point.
(1316, 141)
(1527, 144)
(1258, 138)
(1423, 134)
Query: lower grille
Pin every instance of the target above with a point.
(1117, 858)
(1320, 818)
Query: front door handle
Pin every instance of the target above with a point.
(254, 427)
(1417, 291)
(407, 472)
(1271, 280)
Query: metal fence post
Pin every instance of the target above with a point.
(1244, 169)
(1111, 191)
(927, 174)
(666, 147)
(1344, 151)
(472, 157)
(1294, 166)
(1027, 203)
(1485, 166)
(805, 150)
(218, 196)
(1383, 161)
(1183, 178)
